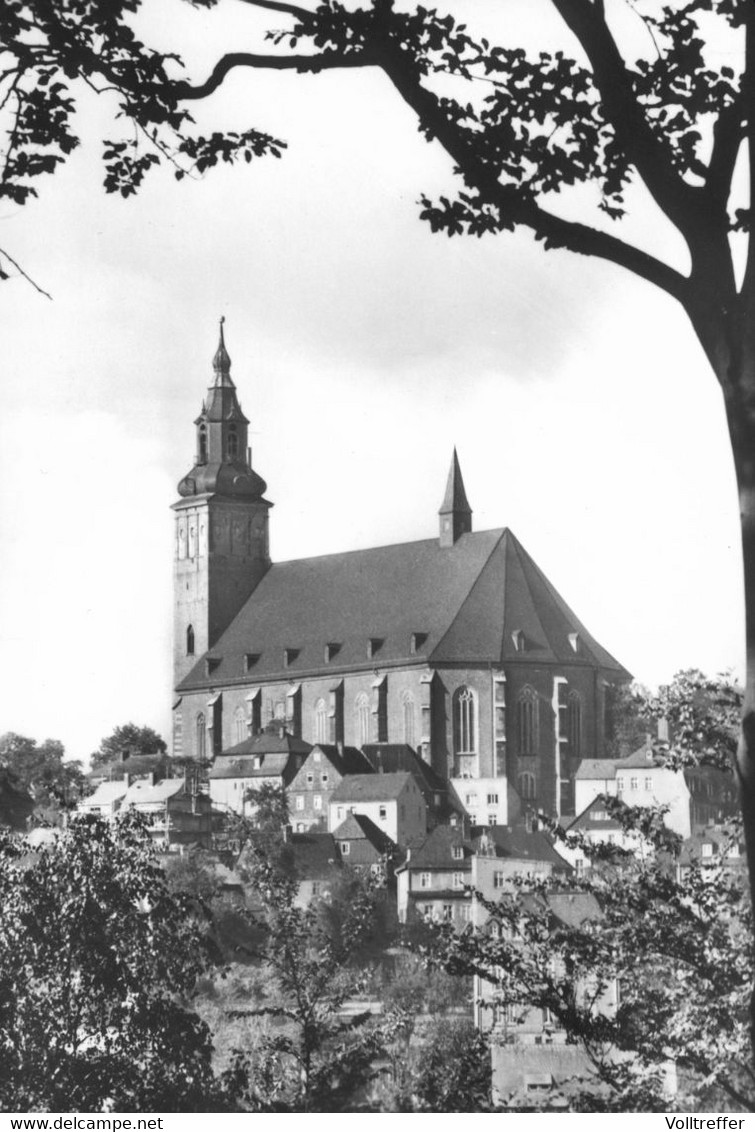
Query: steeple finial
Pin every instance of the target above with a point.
(221, 363)
(455, 512)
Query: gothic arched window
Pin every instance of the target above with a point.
(527, 718)
(190, 641)
(527, 786)
(233, 445)
(407, 703)
(321, 721)
(465, 722)
(202, 445)
(362, 712)
(574, 723)
(201, 736)
(240, 726)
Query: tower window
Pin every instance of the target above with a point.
(202, 445)
(201, 730)
(465, 722)
(233, 445)
(527, 721)
(362, 712)
(321, 721)
(190, 641)
(527, 786)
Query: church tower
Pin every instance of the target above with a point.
(455, 512)
(221, 531)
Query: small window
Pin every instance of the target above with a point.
(448, 912)
(317, 756)
(458, 853)
(707, 849)
(498, 880)
(648, 783)
(634, 783)
(300, 801)
(339, 813)
(458, 881)
(345, 848)
(324, 777)
(317, 802)
(471, 800)
(492, 799)
(190, 641)
(425, 880)
(492, 819)
(310, 778)
(383, 812)
(619, 784)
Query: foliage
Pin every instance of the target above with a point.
(40, 769)
(314, 1057)
(674, 934)
(98, 963)
(703, 714)
(128, 737)
(452, 1073)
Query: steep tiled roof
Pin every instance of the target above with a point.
(588, 819)
(144, 792)
(106, 793)
(358, 827)
(349, 760)
(273, 765)
(518, 843)
(597, 768)
(315, 855)
(467, 600)
(436, 851)
(370, 787)
(269, 743)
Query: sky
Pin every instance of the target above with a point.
(364, 348)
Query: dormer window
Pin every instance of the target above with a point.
(374, 644)
(707, 849)
(574, 641)
(211, 663)
(289, 656)
(416, 642)
(458, 853)
(331, 649)
(250, 659)
(518, 638)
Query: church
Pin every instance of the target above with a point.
(457, 646)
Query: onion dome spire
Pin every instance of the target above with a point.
(221, 363)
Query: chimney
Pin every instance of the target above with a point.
(408, 855)
(339, 747)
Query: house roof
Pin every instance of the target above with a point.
(466, 600)
(270, 743)
(273, 765)
(370, 787)
(515, 842)
(157, 762)
(106, 793)
(143, 791)
(348, 760)
(587, 819)
(314, 855)
(597, 768)
(358, 827)
(436, 851)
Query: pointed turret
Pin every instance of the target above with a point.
(455, 512)
(222, 464)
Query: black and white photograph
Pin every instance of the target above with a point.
(377, 573)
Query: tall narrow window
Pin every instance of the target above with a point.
(407, 702)
(202, 445)
(233, 445)
(190, 641)
(362, 712)
(527, 786)
(465, 722)
(574, 723)
(201, 736)
(380, 709)
(321, 721)
(527, 721)
(240, 725)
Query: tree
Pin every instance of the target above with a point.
(40, 769)
(98, 962)
(313, 1058)
(128, 737)
(519, 129)
(453, 1070)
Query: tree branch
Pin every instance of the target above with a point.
(280, 6)
(328, 60)
(682, 203)
(21, 271)
(728, 134)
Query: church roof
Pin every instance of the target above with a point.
(482, 600)
(455, 498)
